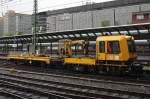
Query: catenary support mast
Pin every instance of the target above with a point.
(35, 26)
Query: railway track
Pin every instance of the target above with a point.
(49, 70)
(17, 91)
(41, 69)
(8, 95)
(76, 87)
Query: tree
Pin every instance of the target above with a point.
(8, 34)
(105, 23)
(19, 33)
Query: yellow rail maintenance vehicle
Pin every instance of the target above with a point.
(115, 54)
(110, 54)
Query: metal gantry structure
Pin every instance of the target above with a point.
(35, 25)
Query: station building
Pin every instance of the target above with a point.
(117, 12)
(90, 15)
(141, 17)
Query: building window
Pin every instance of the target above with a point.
(140, 17)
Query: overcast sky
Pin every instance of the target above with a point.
(26, 6)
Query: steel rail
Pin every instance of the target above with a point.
(36, 87)
(67, 74)
(29, 74)
(92, 87)
(6, 93)
(22, 92)
(74, 93)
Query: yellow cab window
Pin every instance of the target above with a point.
(102, 47)
(113, 47)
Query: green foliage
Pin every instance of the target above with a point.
(105, 23)
(8, 34)
(19, 33)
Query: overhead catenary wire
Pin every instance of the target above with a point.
(54, 7)
(41, 9)
(18, 3)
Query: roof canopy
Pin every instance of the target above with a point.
(139, 31)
